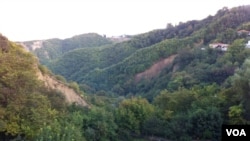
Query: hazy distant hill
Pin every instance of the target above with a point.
(47, 50)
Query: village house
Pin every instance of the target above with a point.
(242, 32)
(220, 46)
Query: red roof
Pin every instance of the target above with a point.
(243, 31)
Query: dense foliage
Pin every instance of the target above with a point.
(28, 109)
(162, 85)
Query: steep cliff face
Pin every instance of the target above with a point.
(70, 95)
(32, 45)
(49, 81)
(31, 99)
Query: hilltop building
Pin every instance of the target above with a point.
(220, 46)
(243, 32)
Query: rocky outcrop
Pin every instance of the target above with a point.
(31, 45)
(70, 95)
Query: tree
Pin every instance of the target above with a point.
(236, 52)
(236, 104)
(206, 123)
(27, 114)
(169, 26)
(235, 115)
(99, 125)
(61, 129)
(168, 101)
(228, 36)
(132, 114)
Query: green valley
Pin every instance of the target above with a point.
(180, 83)
(114, 67)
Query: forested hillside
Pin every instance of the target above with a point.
(175, 84)
(47, 50)
(29, 105)
(115, 67)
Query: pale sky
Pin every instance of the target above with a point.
(23, 20)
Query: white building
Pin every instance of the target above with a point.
(248, 44)
(220, 46)
(246, 32)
